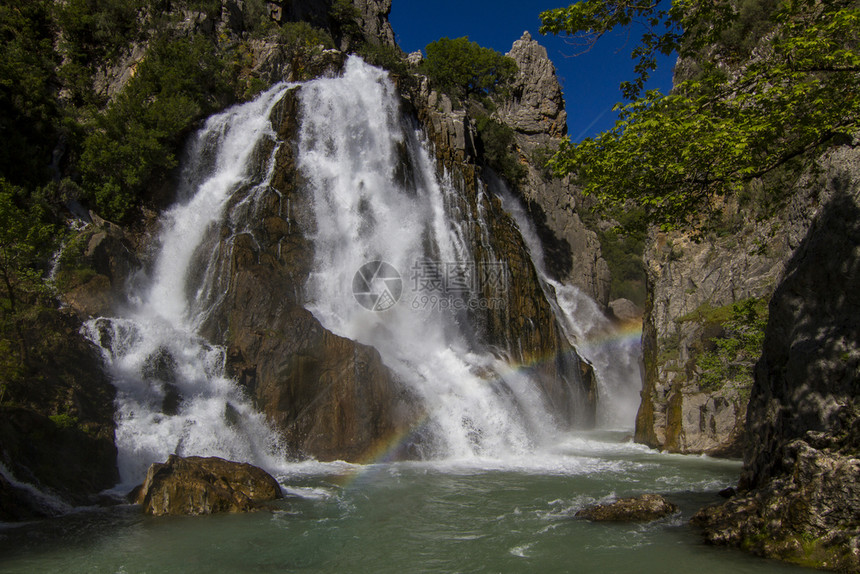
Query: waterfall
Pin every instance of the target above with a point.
(172, 393)
(615, 359)
(387, 228)
(384, 235)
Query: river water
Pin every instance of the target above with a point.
(492, 516)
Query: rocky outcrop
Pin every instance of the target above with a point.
(536, 104)
(196, 485)
(373, 20)
(56, 428)
(643, 508)
(94, 268)
(625, 311)
(802, 454)
(535, 109)
(693, 289)
(371, 17)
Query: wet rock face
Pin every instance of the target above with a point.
(197, 485)
(330, 397)
(643, 508)
(333, 398)
(524, 327)
(802, 454)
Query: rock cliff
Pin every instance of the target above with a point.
(536, 111)
(800, 497)
(704, 319)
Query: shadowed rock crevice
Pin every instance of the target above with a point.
(803, 438)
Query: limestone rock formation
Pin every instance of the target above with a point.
(536, 105)
(536, 111)
(643, 508)
(802, 454)
(373, 19)
(692, 288)
(197, 485)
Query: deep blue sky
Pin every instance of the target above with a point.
(590, 81)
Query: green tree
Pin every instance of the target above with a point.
(462, 68)
(748, 110)
(28, 110)
(134, 146)
(26, 243)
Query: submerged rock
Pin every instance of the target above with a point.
(642, 508)
(197, 485)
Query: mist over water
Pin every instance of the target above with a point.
(615, 358)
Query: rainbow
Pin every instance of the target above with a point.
(626, 334)
(392, 447)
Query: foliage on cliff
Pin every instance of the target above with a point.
(136, 138)
(96, 98)
(25, 242)
(461, 67)
(732, 353)
(748, 109)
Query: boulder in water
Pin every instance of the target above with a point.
(197, 485)
(643, 508)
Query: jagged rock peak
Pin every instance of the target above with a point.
(374, 20)
(536, 105)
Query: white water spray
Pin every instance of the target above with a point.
(172, 393)
(376, 197)
(353, 144)
(615, 359)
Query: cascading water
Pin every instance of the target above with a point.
(172, 393)
(376, 197)
(353, 143)
(615, 358)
